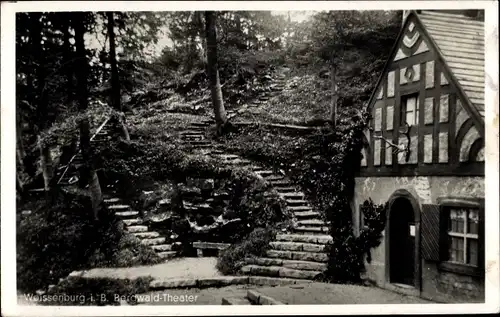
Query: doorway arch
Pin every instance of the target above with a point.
(402, 242)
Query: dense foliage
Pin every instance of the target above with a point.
(255, 244)
(136, 166)
(55, 240)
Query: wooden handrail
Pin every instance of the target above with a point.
(79, 150)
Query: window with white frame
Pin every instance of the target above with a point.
(409, 109)
(463, 236)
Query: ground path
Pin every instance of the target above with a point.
(306, 294)
(173, 269)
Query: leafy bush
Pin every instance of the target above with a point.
(371, 235)
(254, 245)
(55, 240)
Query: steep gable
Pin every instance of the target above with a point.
(418, 86)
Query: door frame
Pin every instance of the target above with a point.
(416, 288)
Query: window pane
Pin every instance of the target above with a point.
(410, 104)
(473, 221)
(457, 249)
(457, 220)
(410, 118)
(472, 248)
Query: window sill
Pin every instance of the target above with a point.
(462, 269)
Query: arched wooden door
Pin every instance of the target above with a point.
(403, 240)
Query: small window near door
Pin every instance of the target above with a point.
(463, 235)
(409, 109)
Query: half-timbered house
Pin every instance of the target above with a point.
(424, 156)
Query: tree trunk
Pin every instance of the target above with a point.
(88, 164)
(19, 186)
(21, 152)
(115, 80)
(123, 127)
(68, 55)
(42, 100)
(82, 64)
(289, 30)
(213, 71)
(333, 110)
(46, 164)
(89, 170)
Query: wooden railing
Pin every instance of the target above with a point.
(79, 150)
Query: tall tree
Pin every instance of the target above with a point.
(89, 172)
(36, 32)
(68, 55)
(115, 81)
(213, 70)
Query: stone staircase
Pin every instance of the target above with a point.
(133, 222)
(299, 254)
(276, 85)
(135, 225)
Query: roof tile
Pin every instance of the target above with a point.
(461, 42)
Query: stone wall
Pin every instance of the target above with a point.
(435, 284)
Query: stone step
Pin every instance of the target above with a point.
(296, 255)
(200, 129)
(147, 234)
(111, 200)
(299, 208)
(264, 173)
(201, 142)
(235, 300)
(280, 183)
(167, 255)
(119, 207)
(319, 239)
(292, 195)
(274, 178)
(192, 132)
(126, 214)
(153, 241)
(307, 214)
(239, 162)
(285, 189)
(312, 222)
(162, 247)
(278, 271)
(228, 157)
(296, 246)
(210, 245)
(296, 202)
(194, 138)
(131, 222)
(136, 229)
(307, 229)
(291, 264)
